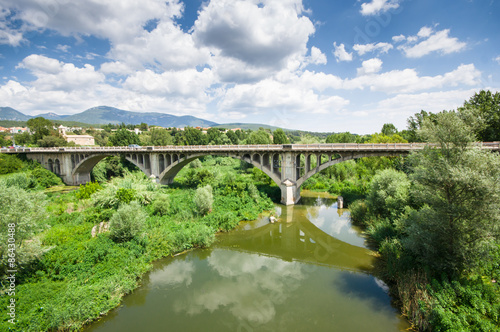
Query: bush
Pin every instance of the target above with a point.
(45, 178)
(203, 198)
(127, 222)
(87, 190)
(125, 195)
(9, 164)
(161, 205)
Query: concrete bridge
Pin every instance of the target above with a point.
(287, 165)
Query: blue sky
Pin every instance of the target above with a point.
(319, 65)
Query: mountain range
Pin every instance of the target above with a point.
(106, 115)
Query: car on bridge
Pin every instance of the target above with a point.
(135, 146)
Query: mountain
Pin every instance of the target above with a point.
(252, 126)
(52, 116)
(8, 113)
(106, 114)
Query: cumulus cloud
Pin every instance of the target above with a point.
(497, 59)
(378, 6)
(340, 53)
(269, 95)
(380, 47)
(371, 66)
(52, 74)
(259, 34)
(429, 41)
(408, 80)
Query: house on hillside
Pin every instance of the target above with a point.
(77, 139)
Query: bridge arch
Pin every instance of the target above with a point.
(87, 162)
(168, 174)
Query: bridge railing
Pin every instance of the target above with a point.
(246, 147)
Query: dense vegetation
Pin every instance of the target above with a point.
(71, 271)
(436, 224)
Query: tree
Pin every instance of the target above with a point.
(127, 222)
(203, 198)
(389, 129)
(232, 137)
(123, 137)
(279, 137)
(160, 137)
(259, 137)
(40, 127)
(51, 141)
(457, 193)
(22, 212)
(389, 193)
(346, 137)
(488, 105)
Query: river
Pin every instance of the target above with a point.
(309, 272)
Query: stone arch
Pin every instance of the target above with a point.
(57, 167)
(341, 158)
(86, 165)
(168, 175)
(50, 164)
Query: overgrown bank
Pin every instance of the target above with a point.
(436, 227)
(66, 277)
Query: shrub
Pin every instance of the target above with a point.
(125, 195)
(9, 164)
(87, 190)
(161, 205)
(195, 163)
(203, 198)
(45, 178)
(127, 222)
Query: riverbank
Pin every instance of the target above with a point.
(75, 271)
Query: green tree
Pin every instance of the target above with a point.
(457, 189)
(23, 214)
(40, 127)
(389, 193)
(389, 129)
(204, 199)
(160, 137)
(232, 137)
(127, 222)
(346, 137)
(279, 137)
(259, 137)
(488, 105)
(123, 137)
(52, 141)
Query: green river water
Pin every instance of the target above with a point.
(309, 272)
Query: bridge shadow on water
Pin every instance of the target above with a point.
(296, 238)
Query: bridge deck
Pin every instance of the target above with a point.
(244, 148)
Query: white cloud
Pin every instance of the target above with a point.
(380, 47)
(438, 41)
(398, 39)
(52, 74)
(407, 80)
(260, 34)
(378, 6)
(340, 53)
(371, 66)
(189, 83)
(317, 57)
(497, 59)
(269, 95)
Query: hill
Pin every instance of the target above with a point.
(8, 113)
(106, 114)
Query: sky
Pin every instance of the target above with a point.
(316, 65)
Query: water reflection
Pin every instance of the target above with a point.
(289, 276)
